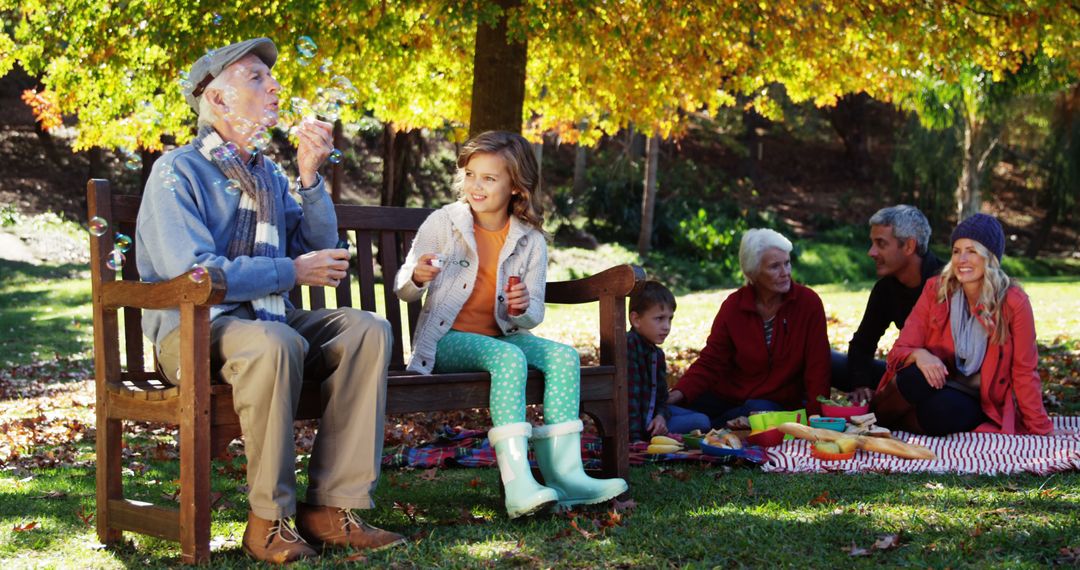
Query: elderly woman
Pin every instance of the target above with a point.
(768, 349)
(966, 357)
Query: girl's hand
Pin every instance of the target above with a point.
(425, 271)
(658, 426)
(932, 368)
(517, 299)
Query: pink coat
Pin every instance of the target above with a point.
(1011, 391)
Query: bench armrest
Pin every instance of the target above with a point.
(209, 290)
(617, 281)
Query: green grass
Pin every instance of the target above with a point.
(684, 515)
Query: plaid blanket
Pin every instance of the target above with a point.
(963, 453)
(470, 448)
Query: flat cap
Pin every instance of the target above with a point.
(209, 66)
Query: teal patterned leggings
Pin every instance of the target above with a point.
(506, 358)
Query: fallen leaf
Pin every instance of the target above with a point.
(822, 499)
(357, 557)
(855, 550)
(430, 474)
(887, 542)
(85, 518)
(750, 487)
(475, 482)
(624, 506)
(408, 509)
(25, 527)
(935, 486)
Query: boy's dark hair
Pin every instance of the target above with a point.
(653, 293)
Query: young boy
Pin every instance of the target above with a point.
(651, 311)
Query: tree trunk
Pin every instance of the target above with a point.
(498, 91)
(397, 157)
(648, 200)
(849, 120)
(977, 146)
(578, 189)
(337, 171)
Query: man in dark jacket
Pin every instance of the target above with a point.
(899, 246)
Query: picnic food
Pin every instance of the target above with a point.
(878, 444)
(839, 398)
(663, 444)
(723, 438)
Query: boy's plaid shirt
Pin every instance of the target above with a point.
(646, 383)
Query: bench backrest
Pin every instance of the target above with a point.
(382, 236)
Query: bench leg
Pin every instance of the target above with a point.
(109, 482)
(194, 493)
(615, 455)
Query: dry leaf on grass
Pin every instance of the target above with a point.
(822, 499)
(25, 526)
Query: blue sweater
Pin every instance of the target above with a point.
(194, 224)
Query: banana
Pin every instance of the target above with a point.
(664, 440)
(658, 448)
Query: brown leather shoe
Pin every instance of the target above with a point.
(894, 411)
(276, 542)
(332, 526)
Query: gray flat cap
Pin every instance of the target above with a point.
(209, 66)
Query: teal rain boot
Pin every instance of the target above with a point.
(524, 496)
(558, 453)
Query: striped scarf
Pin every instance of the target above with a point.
(255, 234)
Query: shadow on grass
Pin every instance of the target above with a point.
(22, 271)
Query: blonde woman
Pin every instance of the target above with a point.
(966, 358)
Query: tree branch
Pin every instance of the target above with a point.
(986, 154)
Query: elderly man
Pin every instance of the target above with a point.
(899, 246)
(219, 202)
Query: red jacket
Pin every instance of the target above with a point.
(736, 366)
(1011, 389)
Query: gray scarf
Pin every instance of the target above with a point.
(968, 334)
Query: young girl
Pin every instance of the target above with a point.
(463, 256)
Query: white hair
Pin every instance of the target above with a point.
(753, 246)
(207, 116)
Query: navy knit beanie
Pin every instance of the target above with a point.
(984, 229)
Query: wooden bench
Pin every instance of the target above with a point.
(203, 410)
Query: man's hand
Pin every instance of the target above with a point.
(316, 143)
(675, 396)
(425, 271)
(323, 268)
(658, 426)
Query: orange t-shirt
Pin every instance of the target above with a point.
(478, 314)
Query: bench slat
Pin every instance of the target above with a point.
(388, 260)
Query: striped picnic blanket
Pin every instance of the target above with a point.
(470, 448)
(962, 453)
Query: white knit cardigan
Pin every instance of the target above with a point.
(449, 232)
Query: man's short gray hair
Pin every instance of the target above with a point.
(753, 246)
(207, 116)
(907, 222)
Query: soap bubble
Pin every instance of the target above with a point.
(328, 108)
(197, 273)
(259, 139)
(170, 181)
(335, 157)
(228, 186)
(132, 161)
(270, 118)
(243, 126)
(122, 242)
(303, 61)
(115, 260)
(342, 244)
(217, 19)
(326, 66)
(306, 47)
(185, 84)
(301, 107)
(98, 226)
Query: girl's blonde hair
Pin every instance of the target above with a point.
(520, 163)
(990, 304)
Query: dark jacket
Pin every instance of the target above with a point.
(736, 366)
(890, 302)
(646, 384)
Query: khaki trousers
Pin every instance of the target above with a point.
(345, 349)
